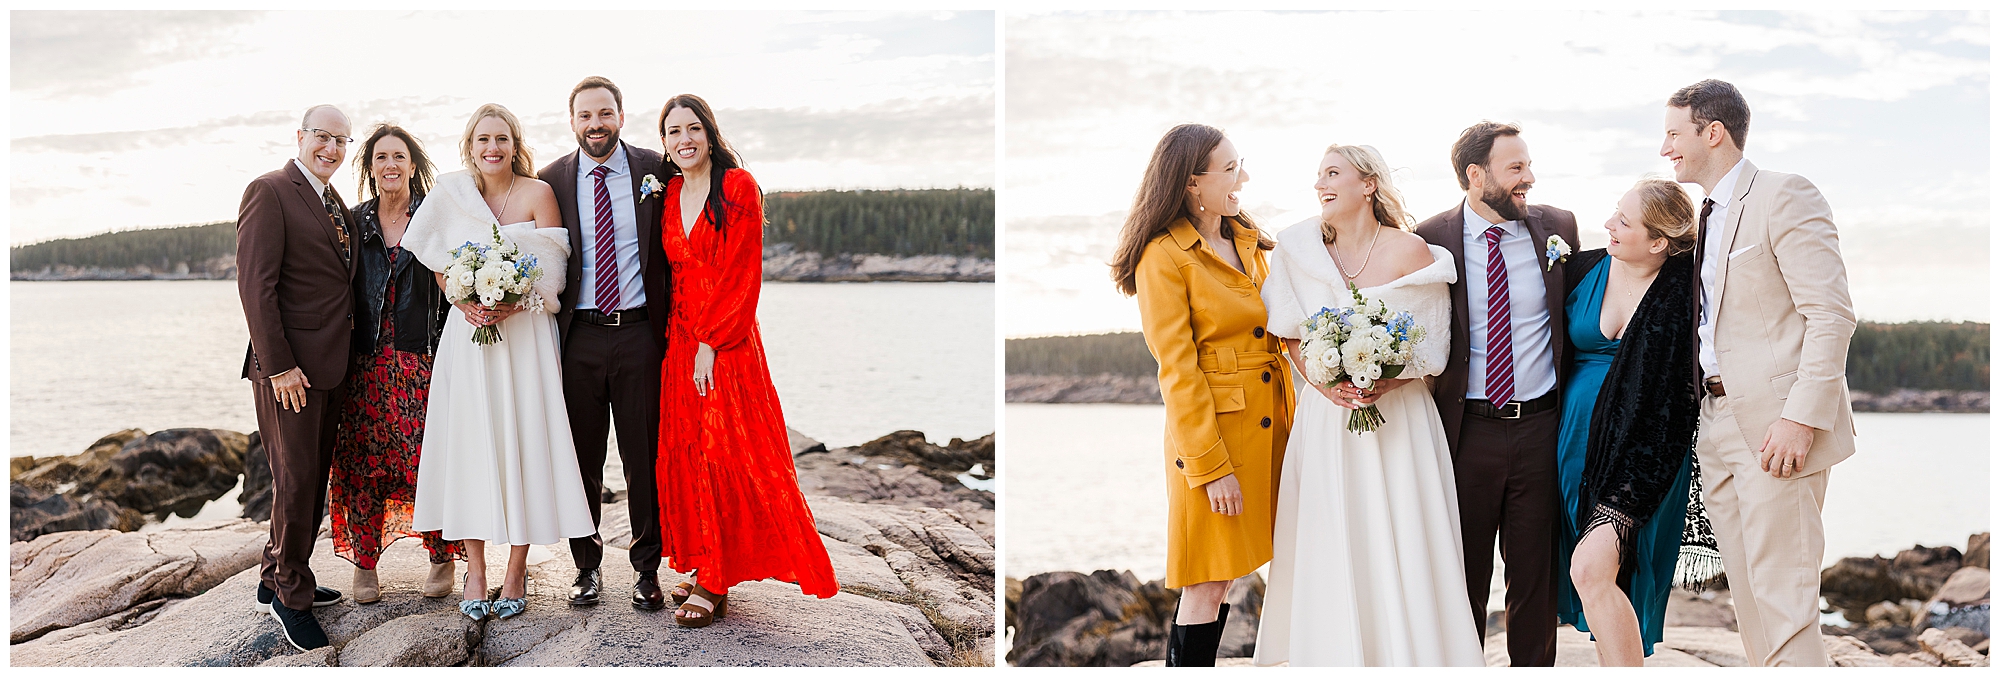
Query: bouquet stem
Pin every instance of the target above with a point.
(488, 335)
(1364, 420)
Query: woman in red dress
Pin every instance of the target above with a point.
(730, 507)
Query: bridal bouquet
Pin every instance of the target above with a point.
(1362, 344)
(490, 275)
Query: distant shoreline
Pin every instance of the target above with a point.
(781, 264)
(1125, 389)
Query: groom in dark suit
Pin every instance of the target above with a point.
(295, 266)
(1497, 395)
(613, 326)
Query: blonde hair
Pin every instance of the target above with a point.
(1667, 213)
(524, 159)
(1388, 203)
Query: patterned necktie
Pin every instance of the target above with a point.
(332, 202)
(1499, 324)
(608, 296)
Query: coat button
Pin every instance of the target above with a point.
(1266, 422)
(1267, 377)
(1180, 464)
(1258, 332)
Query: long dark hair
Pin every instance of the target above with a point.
(1163, 199)
(421, 176)
(721, 156)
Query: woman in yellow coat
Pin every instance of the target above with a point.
(1196, 262)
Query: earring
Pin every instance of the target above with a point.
(1201, 208)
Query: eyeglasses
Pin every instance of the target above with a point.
(325, 137)
(1238, 171)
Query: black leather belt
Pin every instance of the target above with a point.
(615, 319)
(1512, 410)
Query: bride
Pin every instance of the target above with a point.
(1367, 569)
(498, 464)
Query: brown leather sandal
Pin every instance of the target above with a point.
(705, 616)
(678, 595)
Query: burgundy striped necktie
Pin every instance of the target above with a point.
(608, 294)
(1499, 324)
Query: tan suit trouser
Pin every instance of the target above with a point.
(1771, 539)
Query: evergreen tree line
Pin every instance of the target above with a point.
(956, 221)
(1881, 358)
(158, 248)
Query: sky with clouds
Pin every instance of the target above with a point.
(124, 120)
(1887, 113)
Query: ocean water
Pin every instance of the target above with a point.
(851, 362)
(1085, 487)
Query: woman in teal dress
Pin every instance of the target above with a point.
(1625, 455)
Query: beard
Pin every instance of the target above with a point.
(1502, 201)
(599, 149)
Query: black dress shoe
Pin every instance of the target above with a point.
(646, 593)
(299, 627)
(584, 591)
(322, 596)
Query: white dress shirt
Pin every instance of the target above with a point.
(319, 187)
(624, 225)
(1712, 251)
(1534, 361)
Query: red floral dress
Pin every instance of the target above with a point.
(730, 505)
(373, 483)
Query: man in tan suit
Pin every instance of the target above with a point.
(1773, 322)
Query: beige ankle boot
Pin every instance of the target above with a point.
(439, 582)
(366, 588)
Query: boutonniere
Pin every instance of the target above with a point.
(1558, 252)
(649, 186)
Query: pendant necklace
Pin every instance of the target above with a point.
(1364, 260)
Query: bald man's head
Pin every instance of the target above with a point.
(323, 137)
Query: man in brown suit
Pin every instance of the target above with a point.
(294, 263)
(1497, 395)
(613, 327)
(1772, 324)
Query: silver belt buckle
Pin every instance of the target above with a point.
(1509, 411)
(616, 319)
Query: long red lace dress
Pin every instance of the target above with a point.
(730, 506)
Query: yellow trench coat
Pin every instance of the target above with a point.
(1228, 396)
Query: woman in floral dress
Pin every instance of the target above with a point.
(398, 316)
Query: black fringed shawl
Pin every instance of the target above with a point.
(1643, 426)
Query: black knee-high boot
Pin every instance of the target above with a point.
(1193, 646)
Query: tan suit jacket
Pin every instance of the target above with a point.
(1783, 317)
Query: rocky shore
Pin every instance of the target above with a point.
(1924, 607)
(1126, 389)
(910, 541)
(783, 264)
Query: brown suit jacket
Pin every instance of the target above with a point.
(297, 291)
(1784, 318)
(1448, 230)
(561, 176)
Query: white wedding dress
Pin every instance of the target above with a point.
(497, 463)
(1367, 566)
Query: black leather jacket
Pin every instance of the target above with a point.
(420, 310)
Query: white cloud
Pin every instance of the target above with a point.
(1870, 107)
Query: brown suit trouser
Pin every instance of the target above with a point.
(300, 446)
(612, 375)
(1506, 473)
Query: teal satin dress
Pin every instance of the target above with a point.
(1658, 543)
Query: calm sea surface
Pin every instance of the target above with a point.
(1085, 488)
(852, 362)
